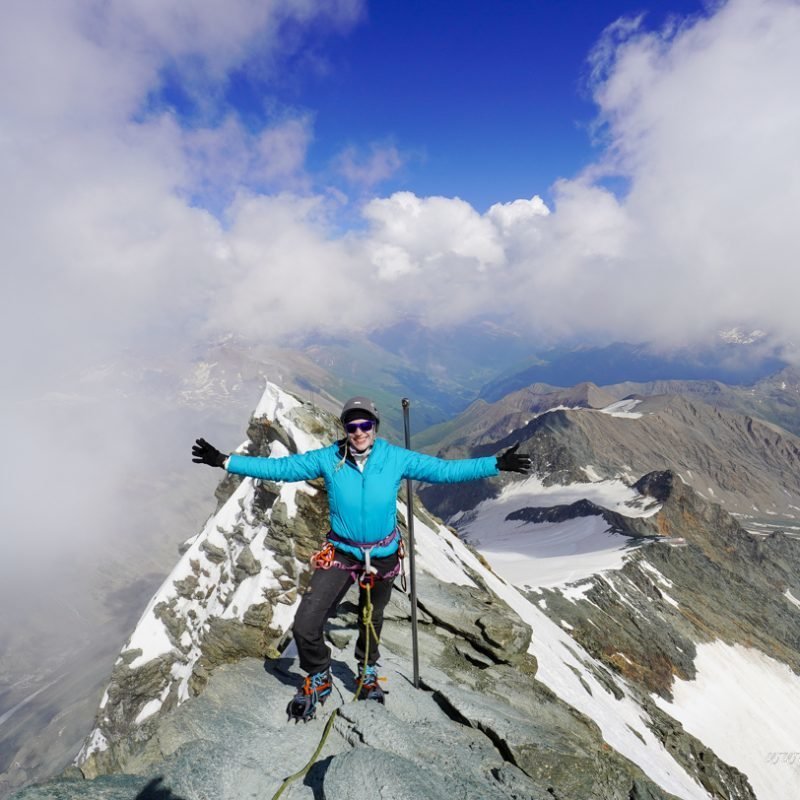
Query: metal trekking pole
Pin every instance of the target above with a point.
(411, 553)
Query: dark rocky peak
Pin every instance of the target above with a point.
(484, 423)
(617, 523)
(749, 466)
(588, 395)
(541, 397)
(657, 485)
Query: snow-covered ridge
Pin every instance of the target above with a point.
(754, 730)
(623, 409)
(216, 594)
(204, 585)
(202, 589)
(564, 668)
(751, 730)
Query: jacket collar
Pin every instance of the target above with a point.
(341, 444)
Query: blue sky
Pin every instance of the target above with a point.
(489, 100)
(174, 171)
(485, 101)
(184, 171)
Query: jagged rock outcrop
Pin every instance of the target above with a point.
(230, 596)
(443, 741)
(484, 730)
(617, 523)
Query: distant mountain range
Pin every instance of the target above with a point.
(444, 370)
(734, 361)
(775, 398)
(751, 466)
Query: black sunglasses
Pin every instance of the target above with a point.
(366, 425)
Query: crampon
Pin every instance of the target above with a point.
(312, 692)
(370, 686)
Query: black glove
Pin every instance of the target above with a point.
(204, 453)
(511, 461)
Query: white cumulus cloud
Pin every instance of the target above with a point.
(701, 121)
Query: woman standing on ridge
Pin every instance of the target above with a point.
(362, 475)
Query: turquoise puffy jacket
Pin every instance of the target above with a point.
(363, 505)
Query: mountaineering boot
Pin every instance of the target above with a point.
(370, 688)
(314, 689)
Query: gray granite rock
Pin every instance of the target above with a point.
(481, 618)
(388, 776)
(480, 725)
(487, 733)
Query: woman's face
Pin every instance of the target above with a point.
(359, 438)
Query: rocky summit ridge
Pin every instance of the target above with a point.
(530, 689)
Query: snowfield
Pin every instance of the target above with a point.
(562, 668)
(746, 707)
(756, 730)
(547, 554)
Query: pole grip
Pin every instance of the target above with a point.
(411, 550)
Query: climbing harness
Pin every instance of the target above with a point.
(326, 557)
(387, 540)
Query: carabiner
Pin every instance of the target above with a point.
(324, 558)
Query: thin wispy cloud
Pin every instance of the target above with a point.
(366, 170)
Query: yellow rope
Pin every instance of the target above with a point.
(369, 626)
(308, 766)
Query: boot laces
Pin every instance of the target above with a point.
(370, 674)
(317, 683)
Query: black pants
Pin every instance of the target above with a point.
(325, 592)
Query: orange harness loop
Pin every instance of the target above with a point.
(324, 558)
